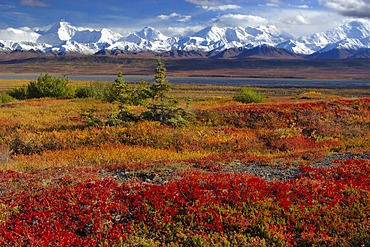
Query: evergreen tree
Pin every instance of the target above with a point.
(159, 90)
(164, 108)
(119, 91)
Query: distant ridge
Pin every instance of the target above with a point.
(349, 40)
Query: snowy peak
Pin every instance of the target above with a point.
(268, 35)
(220, 38)
(151, 34)
(147, 34)
(212, 33)
(149, 39)
(59, 32)
(108, 36)
(64, 31)
(347, 36)
(103, 36)
(345, 44)
(355, 29)
(63, 37)
(4, 47)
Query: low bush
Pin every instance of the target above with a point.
(5, 98)
(19, 93)
(248, 95)
(45, 86)
(96, 90)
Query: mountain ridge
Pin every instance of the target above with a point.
(349, 40)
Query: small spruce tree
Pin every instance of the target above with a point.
(121, 93)
(159, 91)
(164, 108)
(119, 90)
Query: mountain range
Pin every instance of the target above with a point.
(349, 40)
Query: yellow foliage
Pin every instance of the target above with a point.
(101, 156)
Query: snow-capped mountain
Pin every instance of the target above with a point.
(10, 46)
(346, 36)
(148, 39)
(63, 38)
(4, 47)
(220, 38)
(58, 33)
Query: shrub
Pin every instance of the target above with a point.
(119, 91)
(248, 95)
(45, 86)
(48, 86)
(19, 93)
(96, 90)
(5, 97)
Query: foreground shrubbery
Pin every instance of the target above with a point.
(198, 200)
(323, 207)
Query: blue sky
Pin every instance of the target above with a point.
(298, 17)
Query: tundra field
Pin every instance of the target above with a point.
(291, 171)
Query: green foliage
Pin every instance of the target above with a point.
(5, 98)
(153, 96)
(19, 93)
(96, 90)
(45, 86)
(48, 86)
(140, 94)
(248, 95)
(91, 119)
(119, 91)
(159, 92)
(171, 115)
(163, 108)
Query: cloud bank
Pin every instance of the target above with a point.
(210, 5)
(176, 17)
(33, 3)
(242, 20)
(354, 8)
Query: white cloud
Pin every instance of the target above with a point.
(182, 31)
(300, 6)
(271, 5)
(21, 34)
(296, 20)
(221, 7)
(33, 3)
(242, 20)
(356, 8)
(304, 21)
(212, 5)
(176, 17)
(203, 2)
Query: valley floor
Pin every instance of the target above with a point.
(339, 69)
